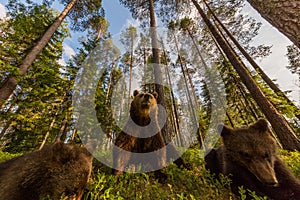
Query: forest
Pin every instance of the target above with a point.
(198, 56)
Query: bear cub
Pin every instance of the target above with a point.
(249, 155)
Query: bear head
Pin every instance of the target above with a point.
(143, 107)
(252, 147)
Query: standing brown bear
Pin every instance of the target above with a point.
(250, 156)
(140, 143)
(55, 171)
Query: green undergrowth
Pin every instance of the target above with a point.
(191, 184)
(292, 159)
(195, 183)
(4, 156)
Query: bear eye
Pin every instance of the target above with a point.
(267, 156)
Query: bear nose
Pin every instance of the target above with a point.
(147, 96)
(272, 183)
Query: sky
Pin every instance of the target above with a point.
(274, 65)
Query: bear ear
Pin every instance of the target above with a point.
(224, 130)
(261, 125)
(135, 92)
(155, 95)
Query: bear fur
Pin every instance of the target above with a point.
(55, 171)
(141, 134)
(249, 155)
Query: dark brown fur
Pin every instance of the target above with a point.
(56, 170)
(250, 156)
(137, 136)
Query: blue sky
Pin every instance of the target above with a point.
(274, 65)
(117, 15)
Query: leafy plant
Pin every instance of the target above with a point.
(4, 156)
(292, 159)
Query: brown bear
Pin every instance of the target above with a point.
(55, 171)
(249, 155)
(140, 143)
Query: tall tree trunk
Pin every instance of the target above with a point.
(282, 14)
(130, 71)
(263, 75)
(10, 83)
(156, 57)
(159, 88)
(174, 109)
(284, 132)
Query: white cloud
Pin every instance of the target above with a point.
(2, 11)
(62, 62)
(68, 51)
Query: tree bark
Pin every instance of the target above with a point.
(156, 57)
(130, 71)
(159, 87)
(282, 14)
(10, 83)
(284, 132)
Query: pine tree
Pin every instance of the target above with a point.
(9, 84)
(28, 115)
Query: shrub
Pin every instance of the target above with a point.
(4, 156)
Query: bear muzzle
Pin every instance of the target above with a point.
(146, 102)
(265, 173)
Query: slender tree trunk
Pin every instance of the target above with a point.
(10, 83)
(62, 130)
(174, 107)
(9, 122)
(4, 129)
(229, 119)
(263, 75)
(284, 132)
(130, 71)
(107, 97)
(99, 32)
(246, 101)
(156, 57)
(72, 138)
(52, 123)
(47, 134)
(282, 14)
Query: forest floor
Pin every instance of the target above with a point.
(195, 183)
(192, 184)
